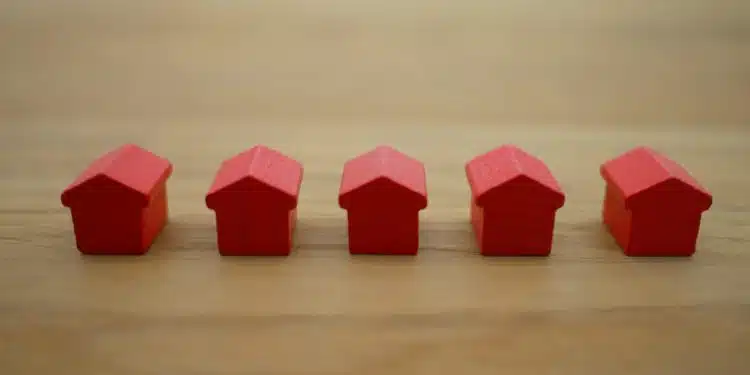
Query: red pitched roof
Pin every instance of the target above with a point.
(509, 166)
(642, 170)
(129, 167)
(387, 164)
(259, 169)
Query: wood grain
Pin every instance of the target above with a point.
(575, 83)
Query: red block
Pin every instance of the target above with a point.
(652, 206)
(119, 203)
(514, 199)
(254, 197)
(383, 191)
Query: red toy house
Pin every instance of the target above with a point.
(383, 191)
(514, 201)
(254, 196)
(119, 203)
(652, 206)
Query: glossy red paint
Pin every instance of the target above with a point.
(119, 203)
(254, 196)
(514, 200)
(652, 205)
(383, 192)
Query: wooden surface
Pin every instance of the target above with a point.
(574, 82)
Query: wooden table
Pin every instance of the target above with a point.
(575, 83)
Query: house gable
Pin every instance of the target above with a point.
(383, 192)
(644, 177)
(522, 191)
(672, 193)
(509, 172)
(130, 172)
(250, 190)
(256, 173)
(387, 172)
(101, 189)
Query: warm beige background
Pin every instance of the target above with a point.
(575, 82)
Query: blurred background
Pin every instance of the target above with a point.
(574, 82)
(494, 62)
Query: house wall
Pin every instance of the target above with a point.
(477, 221)
(247, 230)
(292, 223)
(664, 232)
(616, 217)
(154, 216)
(107, 229)
(517, 231)
(383, 231)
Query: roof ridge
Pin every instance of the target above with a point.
(676, 171)
(106, 168)
(659, 161)
(262, 159)
(116, 156)
(514, 151)
(383, 160)
(255, 153)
